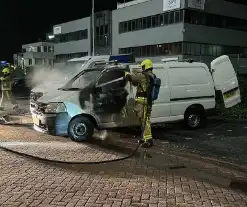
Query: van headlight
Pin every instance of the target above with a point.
(52, 108)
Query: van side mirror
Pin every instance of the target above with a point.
(212, 70)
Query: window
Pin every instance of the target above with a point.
(121, 27)
(139, 24)
(177, 17)
(39, 49)
(154, 50)
(133, 25)
(161, 19)
(73, 36)
(171, 17)
(238, 1)
(144, 23)
(129, 26)
(45, 49)
(213, 20)
(149, 22)
(30, 61)
(155, 21)
(86, 78)
(38, 61)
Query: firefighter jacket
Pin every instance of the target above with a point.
(6, 83)
(142, 81)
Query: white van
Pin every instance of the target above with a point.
(187, 92)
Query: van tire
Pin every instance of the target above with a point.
(195, 118)
(80, 129)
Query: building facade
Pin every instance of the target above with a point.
(39, 53)
(202, 30)
(74, 39)
(186, 28)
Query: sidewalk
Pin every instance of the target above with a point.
(161, 181)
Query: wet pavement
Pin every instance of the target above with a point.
(220, 140)
(147, 181)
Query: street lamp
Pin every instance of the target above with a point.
(93, 53)
(51, 37)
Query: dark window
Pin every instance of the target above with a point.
(129, 26)
(148, 51)
(166, 18)
(155, 21)
(45, 49)
(161, 19)
(73, 36)
(134, 25)
(238, 1)
(171, 17)
(152, 21)
(125, 26)
(149, 22)
(144, 51)
(139, 24)
(213, 20)
(177, 17)
(121, 27)
(39, 49)
(144, 23)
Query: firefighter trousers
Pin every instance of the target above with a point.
(7, 97)
(143, 111)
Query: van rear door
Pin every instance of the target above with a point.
(225, 81)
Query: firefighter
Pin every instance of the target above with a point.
(143, 102)
(6, 87)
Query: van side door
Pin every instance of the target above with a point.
(190, 84)
(111, 98)
(161, 109)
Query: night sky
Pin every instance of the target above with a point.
(25, 21)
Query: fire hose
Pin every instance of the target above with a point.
(68, 162)
(80, 163)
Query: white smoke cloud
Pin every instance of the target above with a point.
(45, 75)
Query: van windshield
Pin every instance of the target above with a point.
(83, 80)
(72, 68)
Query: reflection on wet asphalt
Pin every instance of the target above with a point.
(220, 140)
(226, 141)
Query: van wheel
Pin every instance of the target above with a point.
(194, 118)
(80, 129)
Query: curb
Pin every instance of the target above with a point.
(213, 161)
(223, 119)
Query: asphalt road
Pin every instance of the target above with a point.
(221, 140)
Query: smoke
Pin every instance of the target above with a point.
(61, 73)
(102, 134)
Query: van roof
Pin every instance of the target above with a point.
(180, 64)
(86, 58)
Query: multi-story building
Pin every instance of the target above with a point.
(201, 29)
(198, 29)
(38, 53)
(74, 39)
